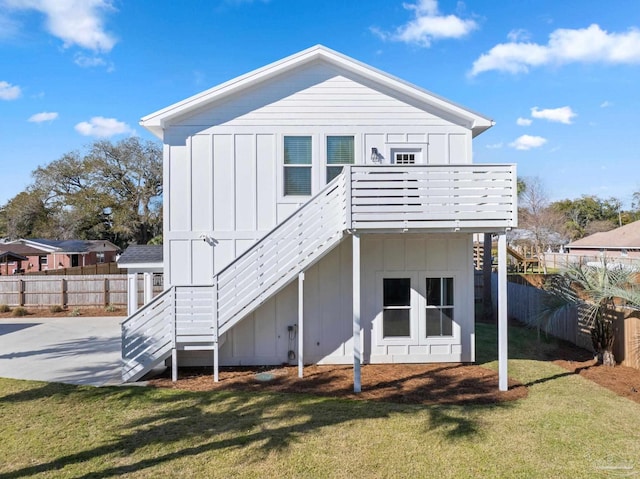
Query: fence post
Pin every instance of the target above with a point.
(20, 292)
(63, 287)
(105, 290)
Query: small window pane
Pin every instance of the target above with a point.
(433, 322)
(433, 292)
(447, 322)
(447, 286)
(396, 323)
(297, 181)
(340, 150)
(397, 292)
(297, 150)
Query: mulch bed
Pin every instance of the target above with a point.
(399, 383)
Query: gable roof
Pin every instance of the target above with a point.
(625, 237)
(158, 121)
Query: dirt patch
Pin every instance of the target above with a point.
(622, 380)
(399, 383)
(46, 313)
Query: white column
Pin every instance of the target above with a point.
(357, 351)
(148, 287)
(216, 333)
(132, 293)
(503, 336)
(301, 325)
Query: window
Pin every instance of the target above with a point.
(439, 308)
(44, 261)
(405, 158)
(100, 257)
(339, 152)
(396, 317)
(297, 165)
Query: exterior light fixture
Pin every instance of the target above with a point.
(375, 158)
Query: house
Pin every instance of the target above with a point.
(623, 242)
(47, 255)
(318, 210)
(145, 260)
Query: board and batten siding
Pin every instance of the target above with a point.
(263, 337)
(223, 165)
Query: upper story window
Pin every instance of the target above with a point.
(297, 165)
(405, 158)
(339, 152)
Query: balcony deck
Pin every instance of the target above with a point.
(417, 198)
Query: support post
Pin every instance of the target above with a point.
(357, 352)
(174, 350)
(301, 325)
(132, 293)
(502, 313)
(216, 331)
(148, 287)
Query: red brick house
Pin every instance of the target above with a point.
(44, 254)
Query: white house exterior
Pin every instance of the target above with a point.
(318, 211)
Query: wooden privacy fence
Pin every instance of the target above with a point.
(69, 291)
(526, 304)
(94, 269)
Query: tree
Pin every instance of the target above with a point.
(113, 191)
(543, 223)
(598, 287)
(589, 214)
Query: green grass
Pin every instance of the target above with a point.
(566, 427)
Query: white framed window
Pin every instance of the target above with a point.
(439, 306)
(417, 308)
(396, 307)
(297, 176)
(340, 151)
(100, 257)
(406, 156)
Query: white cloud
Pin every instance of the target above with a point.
(524, 121)
(606, 104)
(103, 127)
(88, 62)
(495, 146)
(9, 91)
(428, 25)
(586, 45)
(559, 115)
(526, 142)
(75, 22)
(44, 116)
(519, 35)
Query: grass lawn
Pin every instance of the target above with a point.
(566, 427)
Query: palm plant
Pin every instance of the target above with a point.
(595, 290)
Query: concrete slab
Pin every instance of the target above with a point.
(74, 350)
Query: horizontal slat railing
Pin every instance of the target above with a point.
(147, 336)
(277, 259)
(433, 197)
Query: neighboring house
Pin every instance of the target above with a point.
(318, 210)
(145, 260)
(47, 255)
(623, 242)
(10, 263)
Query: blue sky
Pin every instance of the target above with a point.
(560, 78)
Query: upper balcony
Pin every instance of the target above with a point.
(472, 197)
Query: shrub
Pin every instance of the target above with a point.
(74, 312)
(19, 311)
(56, 308)
(4, 308)
(111, 309)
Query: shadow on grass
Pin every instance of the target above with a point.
(180, 424)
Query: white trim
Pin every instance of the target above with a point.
(158, 121)
(301, 325)
(357, 346)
